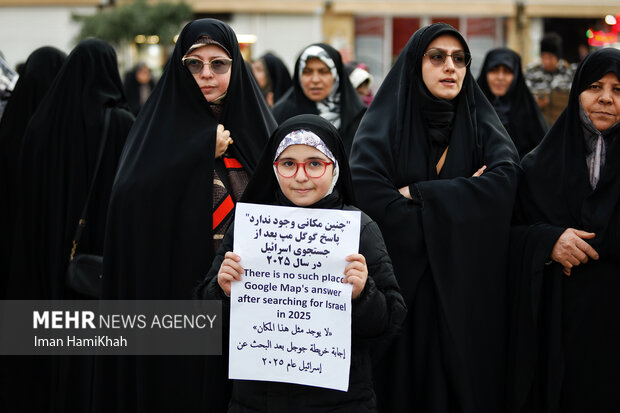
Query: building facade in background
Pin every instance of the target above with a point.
(371, 31)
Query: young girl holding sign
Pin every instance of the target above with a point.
(305, 165)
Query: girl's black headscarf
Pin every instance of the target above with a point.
(295, 102)
(517, 109)
(38, 74)
(432, 237)
(263, 188)
(278, 74)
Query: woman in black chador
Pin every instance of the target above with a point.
(38, 74)
(566, 254)
(434, 167)
(139, 85)
(187, 161)
(377, 306)
(501, 79)
(321, 86)
(57, 161)
(272, 76)
(56, 164)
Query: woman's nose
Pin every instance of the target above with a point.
(448, 64)
(605, 96)
(206, 71)
(300, 175)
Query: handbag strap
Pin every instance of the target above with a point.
(82, 222)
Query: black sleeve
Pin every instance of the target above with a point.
(416, 197)
(380, 309)
(209, 289)
(530, 249)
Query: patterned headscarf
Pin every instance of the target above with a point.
(329, 108)
(306, 137)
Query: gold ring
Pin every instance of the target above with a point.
(230, 141)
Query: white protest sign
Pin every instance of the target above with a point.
(290, 315)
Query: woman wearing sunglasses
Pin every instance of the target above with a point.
(179, 179)
(434, 167)
(321, 86)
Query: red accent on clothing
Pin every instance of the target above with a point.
(222, 211)
(232, 163)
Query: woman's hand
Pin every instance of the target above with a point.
(480, 171)
(404, 191)
(571, 250)
(222, 140)
(356, 273)
(230, 271)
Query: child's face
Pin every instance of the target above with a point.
(301, 189)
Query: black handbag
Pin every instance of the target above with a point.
(85, 274)
(85, 271)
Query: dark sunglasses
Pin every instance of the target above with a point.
(218, 66)
(438, 57)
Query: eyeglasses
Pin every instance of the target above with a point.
(438, 58)
(218, 66)
(313, 169)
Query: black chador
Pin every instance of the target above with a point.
(57, 159)
(39, 72)
(279, 76)
(565, 333)
(449, 243)
(517, 109)
(160, 235)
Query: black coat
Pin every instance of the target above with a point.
(376, 314)
(448, 246)
(565, 335)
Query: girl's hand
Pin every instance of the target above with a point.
(356, 273)
(230, 271)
